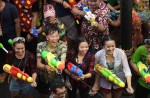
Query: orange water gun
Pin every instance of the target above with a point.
(16, 72)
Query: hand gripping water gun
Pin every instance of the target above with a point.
(53, 61)
(74, 69)
(16, 72)
(1, 46)
(10, 41)
(35, 33)
(109, 75)
(113, 14)
(144, 71)
(89, 16)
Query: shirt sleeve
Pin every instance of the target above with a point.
(91, 63)
(136, 56)
(125, 64)
(39, 50)
(14, 12)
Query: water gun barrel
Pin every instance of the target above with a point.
(74, 69)
(1, 46)
(10, 41)
(16, 72)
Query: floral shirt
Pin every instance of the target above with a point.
(60, 52)
(91, 33)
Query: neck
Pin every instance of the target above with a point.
(81, 55)
(49, 45)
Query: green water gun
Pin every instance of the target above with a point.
(109, 75)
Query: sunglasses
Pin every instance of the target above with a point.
(17, 39)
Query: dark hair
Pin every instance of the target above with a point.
(51, 30)
(19, 41)
(145, 29)
(106, 38)
(78, 41)
(56, 83)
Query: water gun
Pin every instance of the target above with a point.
(16, 72)
(144, 71)
(10, 41)
(53, 61)
(109, 75)
(89, 16)
(35, 33)
(113, 14)
(1, 46)
(72, 3)
(74, 69)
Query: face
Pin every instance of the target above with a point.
(148, 48)
(19, 48)
(53, 38)
(51, 19)
(60, 93)
(93, 3)
(109, 47)
(83, 48)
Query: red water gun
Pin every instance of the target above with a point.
(16, 72)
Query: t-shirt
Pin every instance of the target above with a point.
(141, 54)
(8, 15)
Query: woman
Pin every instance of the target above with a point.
(142, 53)
(58, 49)
(116, 61)
(25, 61)
(84, 60)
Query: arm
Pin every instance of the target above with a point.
(115, 23)
(135, 68)
(17, 26)
(34, 19)
(110, 7)
(63, 2)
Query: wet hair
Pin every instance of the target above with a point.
(106, 38)
(56, 83)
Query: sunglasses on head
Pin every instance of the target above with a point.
(17, 39)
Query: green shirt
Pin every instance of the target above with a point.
(141, 54)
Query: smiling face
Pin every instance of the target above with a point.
(110, 47)
(83, 48)
(51, 19)
(19, 49)
(53, 38)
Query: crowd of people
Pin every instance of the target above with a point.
(58, 43)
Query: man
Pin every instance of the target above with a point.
(9, 27)
(58, 89)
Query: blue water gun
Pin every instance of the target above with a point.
(113, 15)
(35, 33)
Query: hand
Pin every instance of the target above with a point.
(130, 90)
(66, 5)
(81, 78)
(29, 38)
(34, 84)
(48, 68)
(93, 92)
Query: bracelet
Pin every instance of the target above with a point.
(62, 2)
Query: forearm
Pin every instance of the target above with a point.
(96, 85)
(135, 68)
(100, 27)
(75, 11)
(34, 75)
(128, 81)
(17, 28)
(88, 75)
(34, 20)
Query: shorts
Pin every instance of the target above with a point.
(20, 86)
(111, 90)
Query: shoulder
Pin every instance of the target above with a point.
(41, 44)
(100, 52)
